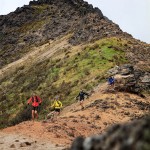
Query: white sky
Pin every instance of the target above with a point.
(133, 16)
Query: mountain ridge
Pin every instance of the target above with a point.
(41, 21)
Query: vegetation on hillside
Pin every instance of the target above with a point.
(63, 77)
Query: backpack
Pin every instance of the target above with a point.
(36, 99)
(58, 103)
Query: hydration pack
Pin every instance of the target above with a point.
(36, 99)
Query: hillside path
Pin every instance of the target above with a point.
(102, 110)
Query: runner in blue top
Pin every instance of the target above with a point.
(111, 81)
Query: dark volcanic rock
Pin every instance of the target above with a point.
(78, 144)
(135, 136)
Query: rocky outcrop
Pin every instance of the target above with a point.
(135, 136)
(92, 28)
(138, 53)
(130, 79)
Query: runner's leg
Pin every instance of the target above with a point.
(33, 115)
(36, 114)
(81, 103)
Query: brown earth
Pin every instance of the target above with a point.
(102, 110)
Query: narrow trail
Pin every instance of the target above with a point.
(101, 111)
(18, 141)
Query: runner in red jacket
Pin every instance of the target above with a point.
(36, 101)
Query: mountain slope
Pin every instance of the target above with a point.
(56, 47)
(42, 21)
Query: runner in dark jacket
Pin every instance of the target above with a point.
(81, 97)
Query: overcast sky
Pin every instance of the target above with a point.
(133, 16)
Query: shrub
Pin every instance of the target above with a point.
(23, 115)
(86, 71)
(88, 87)
(4, 120)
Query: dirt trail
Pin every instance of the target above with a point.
(36, 55)
(18, 141)
(101, 111)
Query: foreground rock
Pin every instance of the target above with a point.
(135, 136)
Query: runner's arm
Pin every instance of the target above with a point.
(60, 104)
(87, 94)
(53, 104)
(77, 96)
(29, 101)
(39, 99)
(114, 79)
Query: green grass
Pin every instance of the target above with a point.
(63, 77)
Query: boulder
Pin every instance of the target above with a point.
(145, 78)
(134, 135)
(129, 79)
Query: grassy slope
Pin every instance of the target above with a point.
(63, 77)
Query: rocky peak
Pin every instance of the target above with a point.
(79, 5)
(45, 20)
(134, 135)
